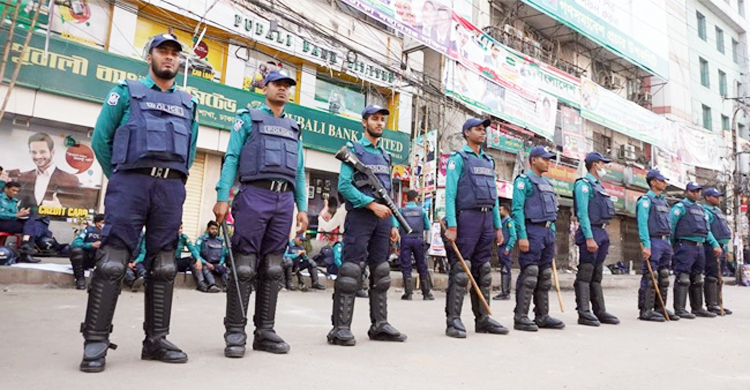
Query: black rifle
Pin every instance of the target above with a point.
(371, 180)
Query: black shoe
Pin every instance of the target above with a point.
(406, 297)
(94, 356)
(213, 289)
(685, 314)
(703, 313)
(672, 316)
(717, 311)
(162, 350)
(318, 286)
(651, 315)
(525, 324)
(268, 341)
(548, 322)
(27, 249)
(81, 284)
(501, 297)
(361, 294)
(385, 332)
(342, 337)
(588, 318)
(27, 258)
(606, 318)
(488, 325)
(137, 283)
(235, 347)
(455, 329)
(427, 296)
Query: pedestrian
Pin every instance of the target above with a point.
(145, 140)
(369, 229)
(535, 212)
(723, 234)
(17, 220)
(213, 253)
(83, 250)
(594, 209)
(654, 232)
(504, 251)
(265, 149)
(690, 232)
(413, 245)
(472, 215)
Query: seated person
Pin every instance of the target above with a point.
(192, 262)
(299, 260)
(15, 221)
(330, 257)
(213, 255)
(83, 252)
(135, 273)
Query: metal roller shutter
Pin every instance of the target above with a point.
(191, 211)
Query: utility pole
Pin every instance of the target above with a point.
(738, 184)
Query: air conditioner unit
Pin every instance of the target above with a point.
(613, 81)
(628, 152)
(643, 98)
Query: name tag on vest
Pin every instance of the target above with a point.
(483, 171)
(278, 130)
(380, 169)
(168, 108)
(412, 214)
(546, 188)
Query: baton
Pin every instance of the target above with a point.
(468, 272)
(228, 243)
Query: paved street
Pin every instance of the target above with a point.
(40, 348)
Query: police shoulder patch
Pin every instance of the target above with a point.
(585, 189)
(238, 124)
(451, 165)
(521, 184)
(646, 203)
(113, 98)
(676, 211)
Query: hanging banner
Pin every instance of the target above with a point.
(442, 170)
(636, 177)
(562, 179)
(615, 173)
(617, 194)
(671, 167)
(698, 147)
(423, 162)
(537, 115)
(575, 143)
(504, 140)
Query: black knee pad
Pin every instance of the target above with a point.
(545, 279)
(77, 254)
(530, 276)
(663, 274)
(461, 279)
(712, 280)
(274, 270)
(381, 276)
(164, 267)
(245, 265)
(287, 263)
(485, 275)
(349, 278)
(585, 272)
(697, 279)
(683, 279)
(111, 264)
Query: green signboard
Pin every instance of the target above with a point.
(615, 173)
(26, 13)
(87, 73)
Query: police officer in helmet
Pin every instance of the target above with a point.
(535, 212)
(265, 149)
(145, 140)
(473, 219)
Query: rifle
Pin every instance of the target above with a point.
(228, 243)
(347, 157)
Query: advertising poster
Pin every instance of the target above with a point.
(339, 98)
(83, 21)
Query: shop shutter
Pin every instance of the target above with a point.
(191, 211)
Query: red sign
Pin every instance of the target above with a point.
(201, 50)
(79, 157)
(504, 189)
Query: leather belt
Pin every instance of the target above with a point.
(661, 237)
(481, 209)
(600, 225)
(161, 173)
(273, 185)
(693, 243)
(543, 224)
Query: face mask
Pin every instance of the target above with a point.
(601, 172)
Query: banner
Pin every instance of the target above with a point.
(671, 167)
(631, 200)
(636, 177)
(504, 189)
(442, 172)
(87, 73)
(84, 21)
(617, 194)
(575, 143)
(537, 115)
(434, 24)
(609, 109)
(504, 140)
(634, 29)
(424, 163)
(698, 147)
(562, 179)
(615, 173)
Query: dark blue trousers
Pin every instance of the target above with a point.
(689, 258)
(602, 239)
(366, 237)
(412, 246)
(712, 268)
(541, 247)
(262, 220)
(661, 258)
(506, 262)
(19, 226)
(476, 235)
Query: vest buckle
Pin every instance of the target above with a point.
(160, 172)
(279, 186)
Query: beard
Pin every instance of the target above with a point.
(164, 74)
(373, 134)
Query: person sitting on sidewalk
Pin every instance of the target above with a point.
(192, 262)
(296, 258)
(83, 252)
(213, 255)
(135, 274)
(16, 221)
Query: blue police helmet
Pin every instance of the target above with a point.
(7, 256)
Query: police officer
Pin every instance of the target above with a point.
(192, 262)
(213, 255)
(15, 220)
(413, 244)
(652, 216)
(690, 232)
(83, 250)
(296, 258)
(145, 141)
(266, 151)
(368, 227)
(473, 219)
(535, 212)
(594, 209)
(722, 233)
(504, 251)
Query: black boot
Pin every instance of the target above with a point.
(504, 286)
(647, 312)
(541, 302)
(711, 291)
(27, 251)
(454, 301)
(237, 302)
(597, 299)
(266, 338)
(76, 261)
(347, 284)
(380, 282)
(314, 278)
(159, 291)
(681, 286)
(525, 285)
(664, 290)
(583, 295)
(696, 297)
(200, 280)
(408, 288)
(288, 279)
(139, 281)
(483, 323)
(103, 293)
(424, 285)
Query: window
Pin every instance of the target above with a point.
(725, 122)
(707, 117)
(602, 143)
(741, 7)
(742, 131)
(701, 25)
(737, 89)
(735, 49)
(705, 80)
(719, 40)
(722, 84)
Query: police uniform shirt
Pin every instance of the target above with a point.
(522, 190)
(642, 210)
(454, 171)
(584, 192)
(8, 207)
(711, 218)
(182, 242)
(243, 126)
(199, 244)
(510, 241)
(424, 215)
(115, 113)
